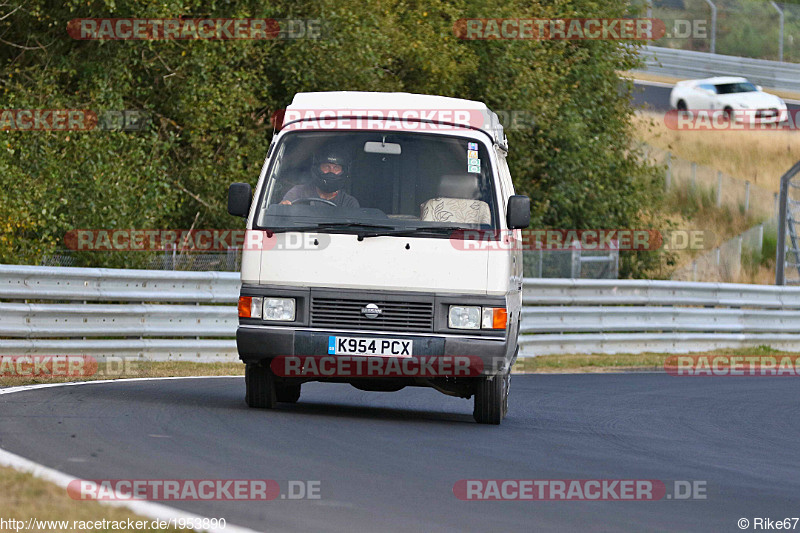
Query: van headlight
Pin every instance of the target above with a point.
(464, 317)
(279, 309)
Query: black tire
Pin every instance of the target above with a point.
(681, 105)
(728, 112)
(491, 399)
(287, 393)
(260, 390)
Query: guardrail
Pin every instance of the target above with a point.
(634, 316)
(163, 315)
(151, 314)
(690, 64)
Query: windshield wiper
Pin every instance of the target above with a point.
(411, 231)
(328, 225)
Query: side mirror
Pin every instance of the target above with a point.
(239, 195)
(518, 212)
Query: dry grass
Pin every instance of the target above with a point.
(761, 157)
(23, 496)
(581, 363)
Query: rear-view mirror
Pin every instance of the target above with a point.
(372, 147)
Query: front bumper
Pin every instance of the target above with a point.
(261, 344)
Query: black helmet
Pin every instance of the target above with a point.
(330, 182)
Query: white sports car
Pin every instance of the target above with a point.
(736, 97)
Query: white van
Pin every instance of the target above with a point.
(382, 250)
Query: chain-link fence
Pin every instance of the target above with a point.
(719, 188)
(228, 261)
(571, 264)
(747, 28)
(727, 262)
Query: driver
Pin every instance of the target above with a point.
(330, 169)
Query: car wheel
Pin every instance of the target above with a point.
(491, 399)
(681, 105)
(287, 393)
(728, 113)
(260, 390)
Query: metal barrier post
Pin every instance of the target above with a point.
(780, 253)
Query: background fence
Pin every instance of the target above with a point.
(727, 261)
(169, 259)
(587, 264)
(724, 261)
(723, 189)
(759, 29)
(688, 64)
(191, 316)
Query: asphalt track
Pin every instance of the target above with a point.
(388, 461)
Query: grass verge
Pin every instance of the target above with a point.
(582, 363)
(23, 496)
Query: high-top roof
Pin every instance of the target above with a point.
(376, 100)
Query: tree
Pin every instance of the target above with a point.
(211, 101)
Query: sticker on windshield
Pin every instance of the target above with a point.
(472, 146)
(474, 165)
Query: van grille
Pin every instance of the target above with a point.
(395, 316)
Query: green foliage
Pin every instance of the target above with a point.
(769, 246)
(211, 101)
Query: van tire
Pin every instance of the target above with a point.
(287, 393)
(491, 399)
(260, 390)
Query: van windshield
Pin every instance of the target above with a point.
(378, 183)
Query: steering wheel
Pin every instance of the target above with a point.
(309, 200)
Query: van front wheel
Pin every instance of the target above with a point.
(260, 390)
(287, 393)
(491, 399)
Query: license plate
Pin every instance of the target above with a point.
(371, 346)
